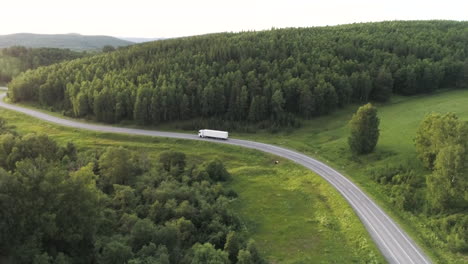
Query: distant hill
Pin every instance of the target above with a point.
(75, 42)
(140, 40)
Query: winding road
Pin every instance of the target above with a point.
(396, 246)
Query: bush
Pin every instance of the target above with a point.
(364, 130)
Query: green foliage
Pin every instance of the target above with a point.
(392, 174)
(437, 131)
(30, 146)
(268, 195)
(207, 254)
(171, 160)
(253, 252)
(364, 130)
(115, 252)
(216, 171)
(54, 212)
(448, 184)
(38, 203)
(150, 254)
(108, 48)
(241, 77)
(143, 232)
(232, 246)
(403, 186)
(383, 85)
(17, 59)
(441, 143)
(117, 166)
(3, 126)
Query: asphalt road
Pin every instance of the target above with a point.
(393, 242)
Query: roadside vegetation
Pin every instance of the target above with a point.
(292, 214)
(429, 201)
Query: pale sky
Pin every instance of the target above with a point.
(174, 18)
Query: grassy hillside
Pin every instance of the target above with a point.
(62, 41)
(267, 78)
(293, 214)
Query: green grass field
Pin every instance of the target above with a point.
(326, 139)
(293, 214)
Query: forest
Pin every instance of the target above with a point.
(17, 59)
(63, 205)
(270, 78)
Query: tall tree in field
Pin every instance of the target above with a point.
(364, 130)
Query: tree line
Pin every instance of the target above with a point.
(270, 76)
(64, 205)
(17, 59)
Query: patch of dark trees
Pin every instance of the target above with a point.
(63, 205)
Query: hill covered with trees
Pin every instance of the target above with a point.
(17, 59)
(268, 77)
(75, 42)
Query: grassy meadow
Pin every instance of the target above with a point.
(292, 214)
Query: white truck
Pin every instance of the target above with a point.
(208, 133)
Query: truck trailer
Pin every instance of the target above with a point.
(208, 133)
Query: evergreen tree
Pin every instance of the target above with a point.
(325, 97)
(232, 246)
(306, 102)
(142, 112)
(277, 104)
(184, 108)
(244, 102)
(207, 254)
(383, 85)
(364, 127)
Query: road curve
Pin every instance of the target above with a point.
(396, 246)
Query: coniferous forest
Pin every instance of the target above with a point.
(268, 77)
(17, 59)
